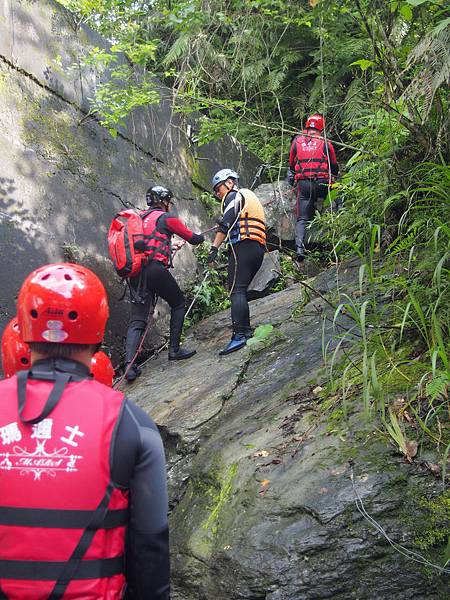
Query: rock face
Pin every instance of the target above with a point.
(267, 275)
(279, 203)
(62, 175)
(262, 500)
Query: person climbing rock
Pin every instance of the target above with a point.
(16, 356)
(84, 515)
(242, 225)
(155, 279)
(312, 167)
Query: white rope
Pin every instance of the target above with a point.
(197, 293)
(398, 547)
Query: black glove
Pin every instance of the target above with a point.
(212, 255)
(197, 238)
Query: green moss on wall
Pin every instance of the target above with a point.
(53, 133)
(434, 528)
(219, 497)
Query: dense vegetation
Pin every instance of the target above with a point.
(378, 70)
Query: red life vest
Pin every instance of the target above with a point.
(54, 476)
(311, 161)
(157, 244)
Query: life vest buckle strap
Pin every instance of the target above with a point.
(49, 571)
(65, 519)
(61, 380)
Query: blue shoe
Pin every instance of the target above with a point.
(237, 342)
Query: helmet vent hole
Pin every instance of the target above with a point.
(24, 360)
(73, 315)
(67, 276)
(46, 276)
(34, 313)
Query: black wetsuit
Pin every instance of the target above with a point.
(244, 260)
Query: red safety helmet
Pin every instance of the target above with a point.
(315, 122)
(16, 353)
(102, 369)
(62, 303)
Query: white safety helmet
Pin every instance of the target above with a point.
(222, 176)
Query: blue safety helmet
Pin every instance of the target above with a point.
(222, 176)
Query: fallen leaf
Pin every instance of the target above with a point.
(337, 471)
(260, 453)
(317, 390)
(411, 449)
(434, 468)
(265, 482)
(407, 416)
(398, 404)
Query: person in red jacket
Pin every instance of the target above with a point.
(312, 167)
(83, 492)
(155, 280)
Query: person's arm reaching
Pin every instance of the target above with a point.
(174, 225)
(231, 212)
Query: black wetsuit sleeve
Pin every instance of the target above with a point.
(231, 210)
(139, 465)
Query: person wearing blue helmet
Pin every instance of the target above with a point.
(242, 226)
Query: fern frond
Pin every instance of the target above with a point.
(432, 55)
(179, 48)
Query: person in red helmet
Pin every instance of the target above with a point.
(81, 468)
(16, 356)
(312, 167)
(102, 369)
(16, 353)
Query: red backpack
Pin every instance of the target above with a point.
(125, 230)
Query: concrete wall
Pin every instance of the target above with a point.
(62, 176)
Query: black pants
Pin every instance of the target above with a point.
(155, 281)
(244, 261)
(308, 192)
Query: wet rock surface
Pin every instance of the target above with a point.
(262, 499)
(278, 199)
(267, 275)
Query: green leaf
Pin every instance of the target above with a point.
(262, 331)
(363, 64)
(406, 12)
(416, 2)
